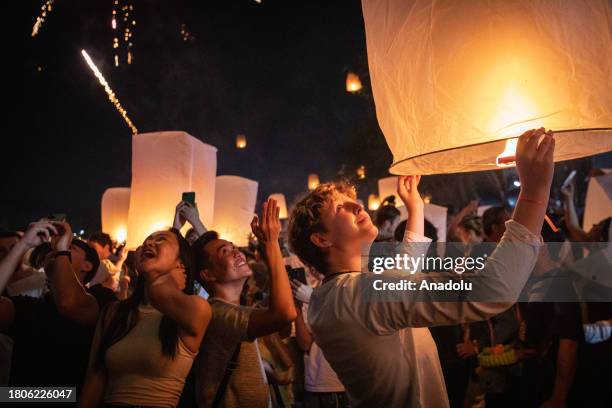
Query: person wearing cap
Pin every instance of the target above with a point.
(52, 334)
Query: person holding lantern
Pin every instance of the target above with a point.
(380, 349)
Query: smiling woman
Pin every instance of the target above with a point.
(149, 331)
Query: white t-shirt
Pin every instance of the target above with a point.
(318, 374)
(381, 350)
(107, 274)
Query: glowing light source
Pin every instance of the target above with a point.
(282, 204)
(109, 91)
(313, 181)
(353, 83)
(373, 202)
(449, 91)
(361, 172)
(115, 207)
(241, 142)
(164, 165)
(45, 10)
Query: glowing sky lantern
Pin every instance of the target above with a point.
(453, 81)
(373, 202)
(115, 207)
(164, 165)
(313, 181)
(241, 142)
(361, 172)
(282, 204)
(353, 83)
(235, 199)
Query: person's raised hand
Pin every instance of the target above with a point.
(300, 291)
(63, 241)
(190, 213)
(407, 189)
(569, 189)
(267, 229)
(37, 233)
(123, 254)
(535, 165)
(179, 218)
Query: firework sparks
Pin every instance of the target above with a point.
(44, 11)
(109, 91)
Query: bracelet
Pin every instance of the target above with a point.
(64, 253)
(529, 200)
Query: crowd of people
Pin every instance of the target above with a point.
(194, 321)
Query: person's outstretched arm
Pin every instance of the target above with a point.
(72, 300)
(498, 285)
(282, 309)
(191, 312)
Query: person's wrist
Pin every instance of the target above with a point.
(415, 205)
(23, 245)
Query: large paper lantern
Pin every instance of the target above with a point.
(598, 203)
(164, 165)
(282, 204)
(235, 199)
(115, 207)
(453, 80)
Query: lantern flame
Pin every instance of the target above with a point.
(241, 142)
(313, 181)
(353, 83)
(121, 235)
(373, 202)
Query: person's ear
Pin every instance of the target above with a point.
(207, 276)
(320, 239)
(87, 266)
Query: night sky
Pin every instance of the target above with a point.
(273, 71)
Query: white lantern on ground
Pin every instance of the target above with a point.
(454, 80)
(235, 199)
(115, 207)
(282, 204)
(164, 165)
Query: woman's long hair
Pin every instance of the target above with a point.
(126, 311)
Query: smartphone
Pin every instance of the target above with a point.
(189, 196)
(298, 274)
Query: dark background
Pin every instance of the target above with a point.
(273, 71)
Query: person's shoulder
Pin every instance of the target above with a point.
(102, 293)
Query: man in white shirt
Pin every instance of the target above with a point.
(380, 349)
(108, 272)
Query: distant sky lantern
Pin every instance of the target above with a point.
(235, 199)
(450, 91)
(353, 83)
(361, 172)
(241, 142)
(313, 181)
(373, 202)
(164, 165)
(115, 207)
(282, 204)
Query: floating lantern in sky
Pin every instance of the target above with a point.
(235, 199)
(115, 208)
(373, 202)
(282, 204)
(353, 83)
(361, 172)
(241, 142)
(452, 94)
(313, 181)
(164, 165)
